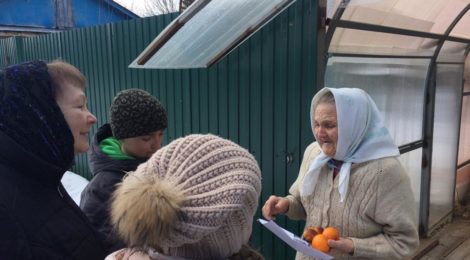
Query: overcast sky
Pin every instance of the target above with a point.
(138, 6)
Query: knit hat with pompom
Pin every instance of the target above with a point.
(194, 198)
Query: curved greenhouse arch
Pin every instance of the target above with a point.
(413, 68)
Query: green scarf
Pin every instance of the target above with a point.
(112, 148)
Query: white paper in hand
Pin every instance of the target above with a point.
(294, 241)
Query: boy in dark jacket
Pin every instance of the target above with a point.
(135, 132)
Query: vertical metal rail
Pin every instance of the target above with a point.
(325, 40)
(428, 129)
(322, 45)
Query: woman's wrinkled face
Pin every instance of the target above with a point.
(325, 127)
(72, 103)
(142, 146)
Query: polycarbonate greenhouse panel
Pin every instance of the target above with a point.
(378, 43)
(411, 161)
(206, 32)
(461, 29)
(452, 52)
(432, 16)
(445, 140)
(396, 85)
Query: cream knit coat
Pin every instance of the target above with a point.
(379, 214)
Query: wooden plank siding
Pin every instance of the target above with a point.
(258, 96)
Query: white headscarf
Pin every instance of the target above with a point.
(362, 136)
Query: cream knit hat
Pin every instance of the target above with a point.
(194, 198)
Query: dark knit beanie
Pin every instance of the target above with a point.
(134, 112)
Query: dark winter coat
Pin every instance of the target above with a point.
(95, 198)
(38, 219)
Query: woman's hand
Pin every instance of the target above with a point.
(345, 245)
(273, 206)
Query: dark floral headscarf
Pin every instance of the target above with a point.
(30, 115)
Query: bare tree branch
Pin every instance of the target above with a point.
(150, 7)
(153, 7)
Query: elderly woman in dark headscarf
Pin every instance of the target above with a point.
(351, 179)
(44, 122)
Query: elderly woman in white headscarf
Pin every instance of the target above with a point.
(351, 179)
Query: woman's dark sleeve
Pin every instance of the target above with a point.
(13, 240)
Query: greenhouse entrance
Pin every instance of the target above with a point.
(410, 57)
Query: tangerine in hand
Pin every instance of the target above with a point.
(320, 242)
(310, 232)
(317, 229)
(308, 235)
(331, 233)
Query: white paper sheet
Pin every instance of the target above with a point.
(294, 241)
(74, 185)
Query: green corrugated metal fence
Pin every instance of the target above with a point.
(258, 96)
(9, 52)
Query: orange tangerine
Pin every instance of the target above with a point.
(320, 242)
(310, 232)
(308, 235)
(331, 233)
(317, 229)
